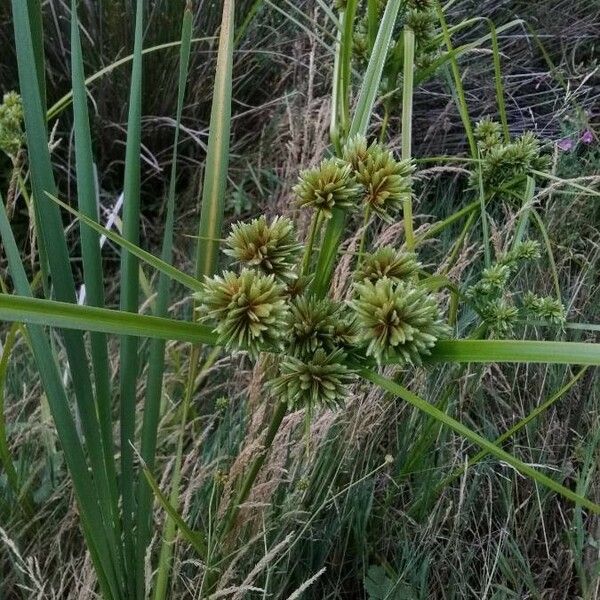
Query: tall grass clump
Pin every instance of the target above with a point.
(344, 310)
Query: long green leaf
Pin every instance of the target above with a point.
(211, 222)
(472, 436)
(129, 300)
(85, 491)
(159, 264)
(516, 351)
(217, 156)
(156, 357)
(88, 318)
(92, 270)
(50, 230)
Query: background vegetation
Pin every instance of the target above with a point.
(369, 499)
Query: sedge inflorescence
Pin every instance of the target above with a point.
(502, 309)
(268, 304)
(505, 165)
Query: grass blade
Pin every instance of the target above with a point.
(129, 298)
(217, 157)
(472, 436)
(407, 112)
(87, 318)
(85, 491)
(156, 358)
(160, 265)
(211, 222)
(52, 236)
(92, 267)
(516, 351)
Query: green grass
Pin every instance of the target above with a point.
(461, 478)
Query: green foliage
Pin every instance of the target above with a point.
(11, 124)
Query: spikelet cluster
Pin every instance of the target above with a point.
(396, 265)
(272, 248)
(506, 164)
(385, 181)
(320, 380)
(249, 309)
(499, 308)
(397, 319)
(328, 186)
(266, 307)
(11, 120)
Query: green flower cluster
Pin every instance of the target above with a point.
(385, 181)
(397, 319)
(396, 265)
(267, 308)
(419, 15)
(11, 119)
(499, 308)
(505, 165)
(367, 174)
(331, 184)
(249, 310)
(271, 248)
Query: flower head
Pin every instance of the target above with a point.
(422, 22)
(488, 134)
(318, 381)
(500, 316)
(387, 262)
(397, 318)
(11, 118)
(385, 180)
(272, 248)
(546, 308)
(526, 250)
(311, 325)
(505, 164)
(328, 186)
(249, 310)
(587, 137)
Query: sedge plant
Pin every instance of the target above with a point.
(273, 303)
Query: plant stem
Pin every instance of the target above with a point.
(363, 236)
(385, 122)
(166, 551)
(315, 226)
(233, 509)
(407, 106)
